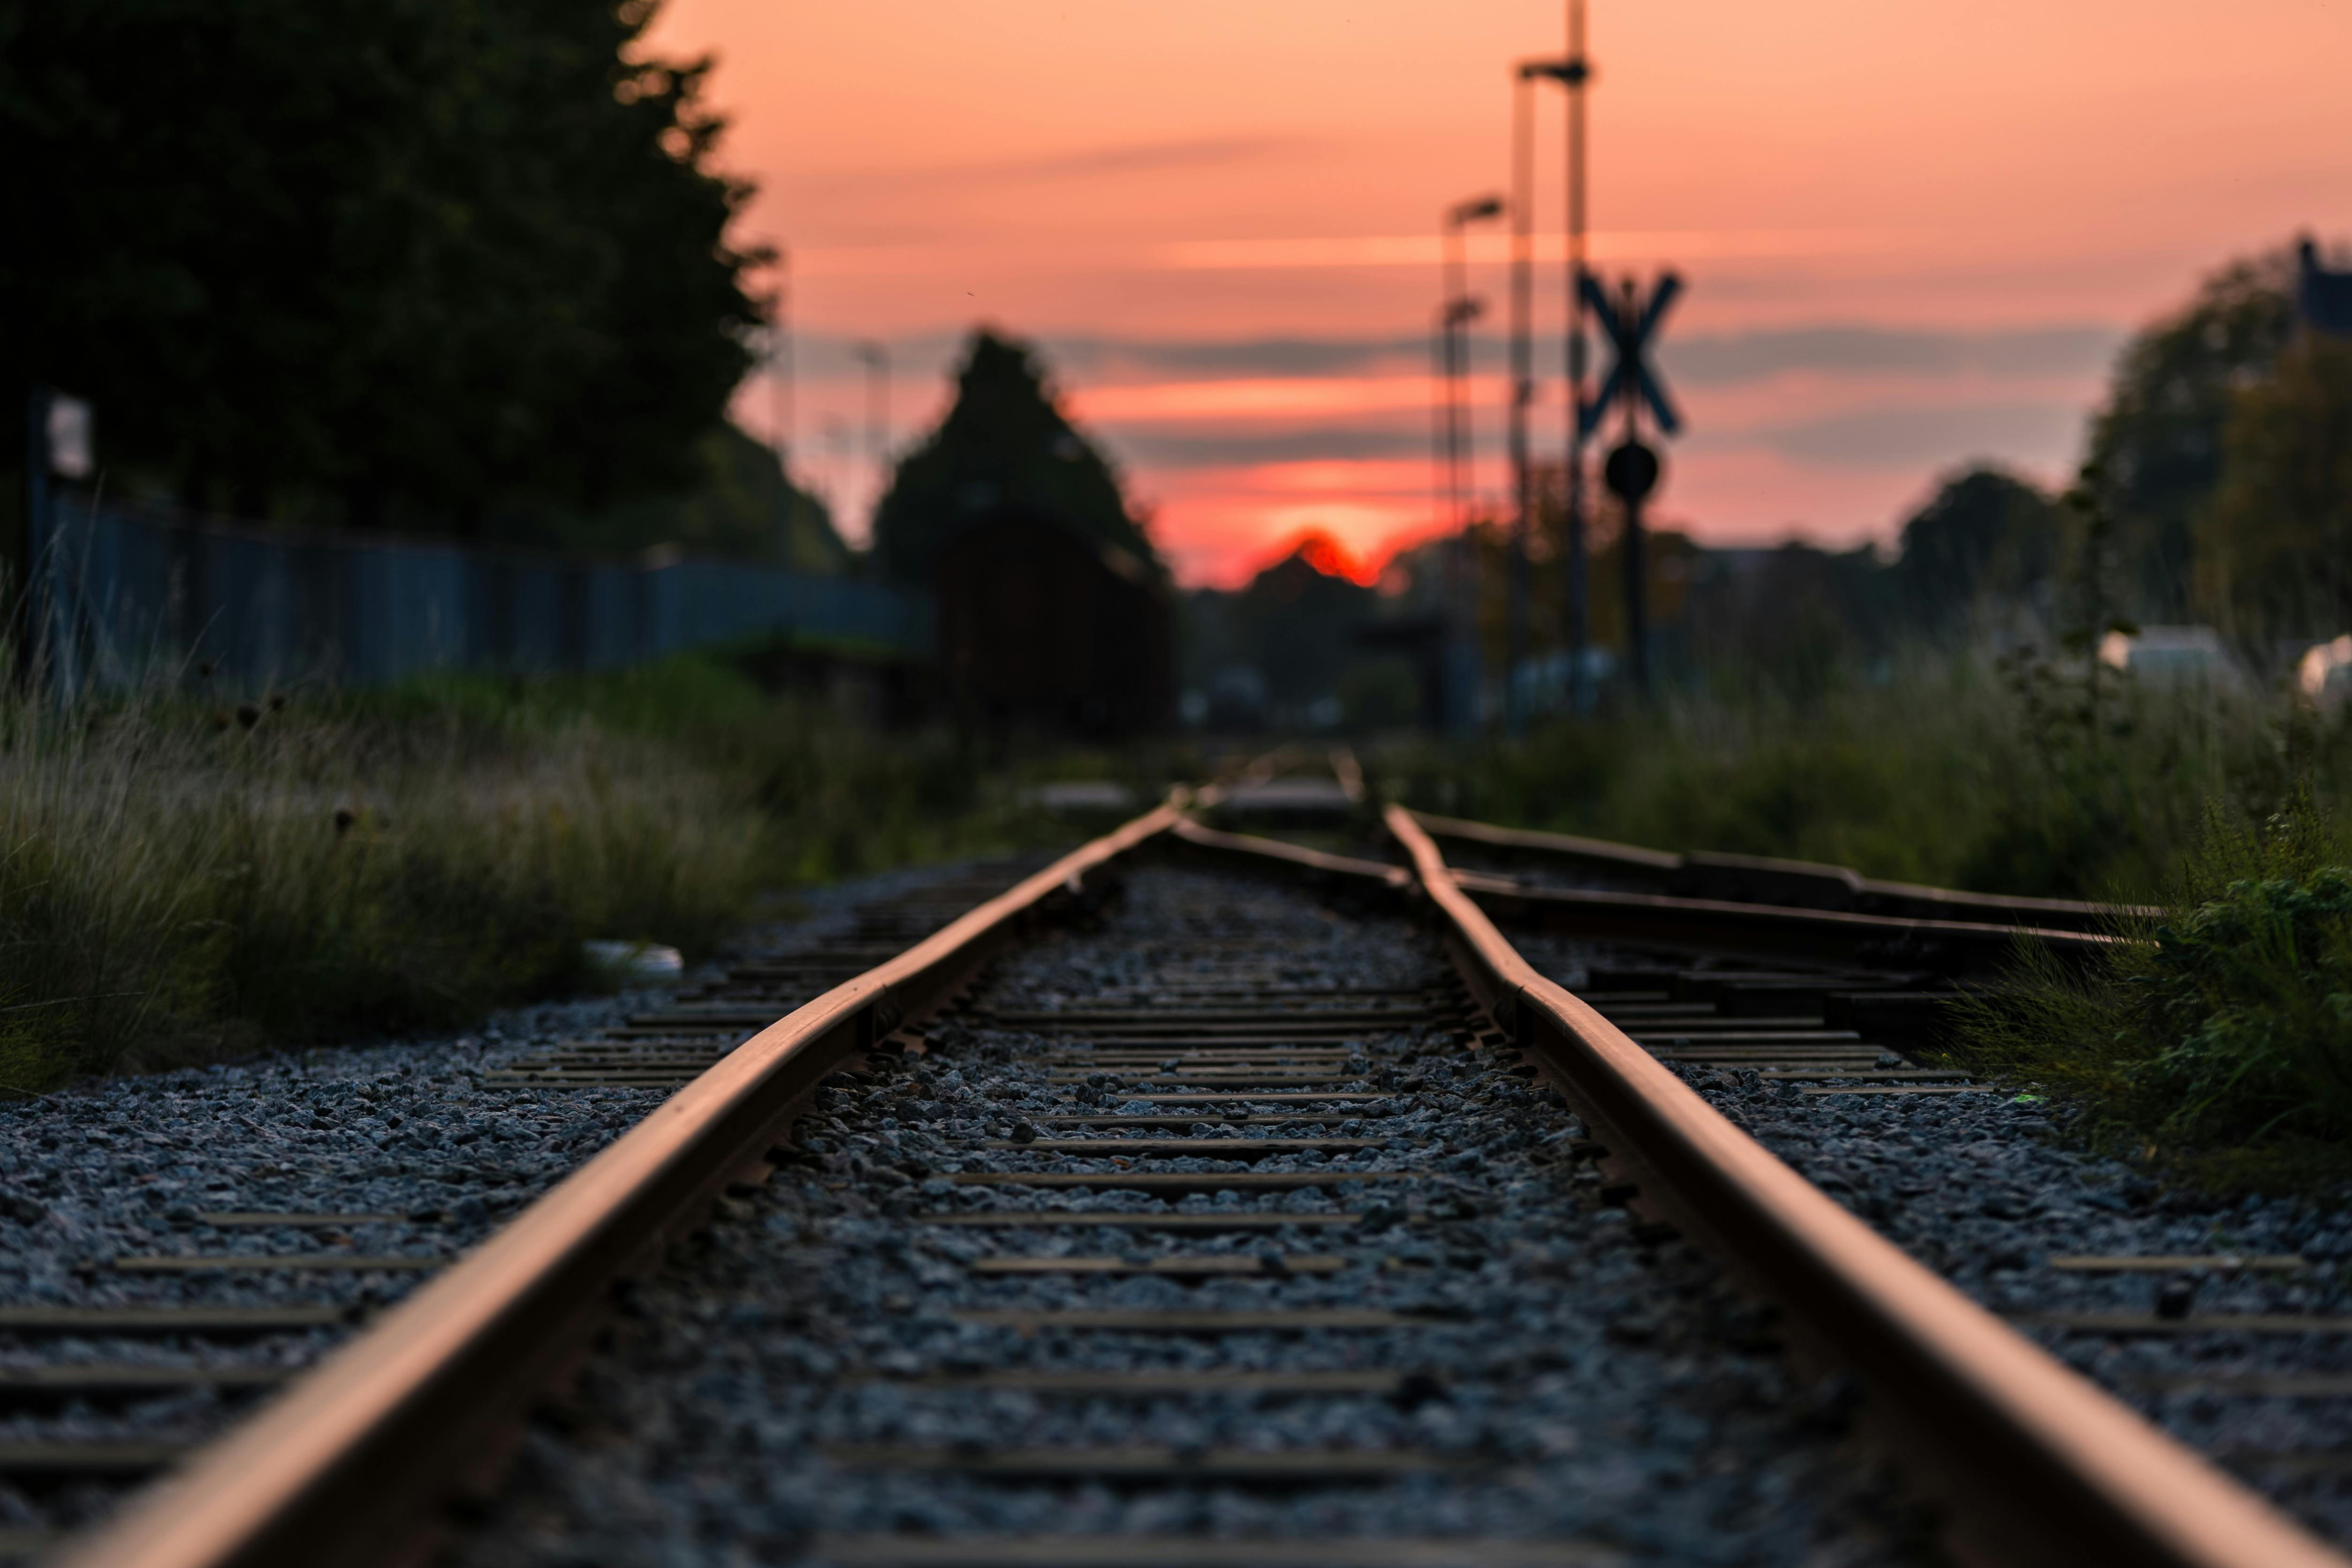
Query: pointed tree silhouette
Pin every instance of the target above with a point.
(1003, 449)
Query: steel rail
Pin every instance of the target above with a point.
(335, 1469)
(1601, 854)
(2039, 1466)
(1803, 883)
(1319, 862)
(1723, 926)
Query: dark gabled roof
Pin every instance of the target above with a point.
(2323, 299)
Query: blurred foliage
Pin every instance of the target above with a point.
(2215, 1035)
(1005, 448)
(2276, 546)
(738, 506)
(2160, 437)
(1986, 538)
(1379, 693)
(844, 796)
(390, 257)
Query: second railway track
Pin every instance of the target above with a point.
(1265, 1207)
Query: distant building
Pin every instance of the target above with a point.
(2322, 298)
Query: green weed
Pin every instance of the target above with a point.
(2216, 1034)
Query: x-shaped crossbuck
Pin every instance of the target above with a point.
(1630, 325)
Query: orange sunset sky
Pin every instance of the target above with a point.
(1913, 234)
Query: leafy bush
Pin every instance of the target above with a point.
(2250, 1002)
(2218, 1033)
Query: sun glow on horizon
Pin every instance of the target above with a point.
(1187, 206)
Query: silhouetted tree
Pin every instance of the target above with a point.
(737, 505)
(416, 255)
(2276, 546)
(1004, 447)
(1986, 535)
(1790, 619)
(2159, 441)
(1296, 622)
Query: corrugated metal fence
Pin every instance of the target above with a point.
(131, 591)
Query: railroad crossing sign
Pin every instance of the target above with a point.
(1631, 470)
(1629, 324)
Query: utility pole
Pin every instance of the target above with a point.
(1523, 389)
(781, 410)
(1457, 308)
(877, 359)
(1574, 556)
(1632, 475)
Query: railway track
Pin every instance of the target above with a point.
(187, 1252)
(1202, 1199)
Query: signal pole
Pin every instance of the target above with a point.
(1571, 72)
(877, 359)
(1460, 309)
(1523, 388)
(781, 410)
(1455, 462)
(1575, 73)
(1631, 468)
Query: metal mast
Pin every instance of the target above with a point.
(1573, 552)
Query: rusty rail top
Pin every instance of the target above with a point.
(2037, 1460)
(1298, 855)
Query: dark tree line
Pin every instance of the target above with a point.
(2219, 475)
(2161, 442)
(2218, 488)
(378, 260)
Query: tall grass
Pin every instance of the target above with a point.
(1971, 772)
(2216, 1035)
(171, 887)
(180, 879)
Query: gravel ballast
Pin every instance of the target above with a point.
(398, 1148)
(808, 1376)
(1995, 1192)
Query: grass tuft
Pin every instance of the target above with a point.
(181, 881)
(2215, 1036)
